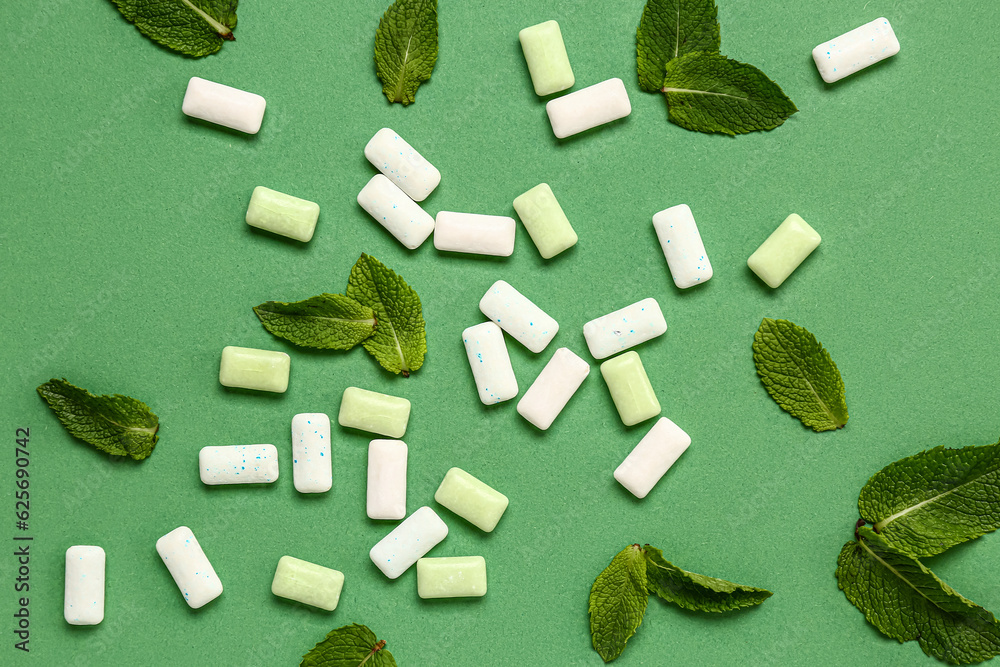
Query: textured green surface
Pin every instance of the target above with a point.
(326, 321)
(669, 29)
(618, 602)
(192, 27)
(406, 48)
(696, 592)
(126, 266)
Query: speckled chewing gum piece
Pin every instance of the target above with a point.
(454, 577)
(189, 566)
(223, 105)
(588, 108)
(490, 363)
(387, 479)
(630, 388)
(545, 221)
(552, 389)
(518, 316)
(408, 542)
(404, 166)
(238, 464)
(682, 246)
(247, 368)
(476, 502)
(83, 603)
(374, 412)
(855, 50)
(307, 583)
(625, 328)
(312, 467)
(652, 457)
(545, 53)
(783, 251)
(393, 209)
(282, 214)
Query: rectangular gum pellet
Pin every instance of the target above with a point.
(387, 479)
(408, 542)
(518, 316)
(490, 363)
(374, 412)
(453, 577)
(83, 603)
(588, 108)
(625, 328)
(238, 464)
(682, 246)
(552, 389)
(405, 167)
(545, 221)
(394, 210)
(545, 53)
(189, 566)
(652, 457)
(783, 251)
(308, 583)
(630, 388)
(855, 50)
(476, 502)
(247, 368)
(474, 233)
(223, 105)
(312, 467)
(282, 214)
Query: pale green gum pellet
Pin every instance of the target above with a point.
(545, 53)
(630, 388)
(282, 214)
(784, 250)
(307, 583)
(545, 221)
(247, 368)
(374, 412)
(461, 577)
(471, 499)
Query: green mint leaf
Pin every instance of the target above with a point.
(929, 502)
(618, 601)
(906, 602)
(697, 592)
(406, 48)
(799, 374)
(707, 92)
(399, 343)
(327, 321)
(192, 27)
(669, 29)
(114, 424)
(350, 646)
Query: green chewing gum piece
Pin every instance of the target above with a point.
(374, 412)
(282, 214)
(545, 221)
(630, 388)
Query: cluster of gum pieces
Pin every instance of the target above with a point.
(391, 199)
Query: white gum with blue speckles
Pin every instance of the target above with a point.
(552, 389)
(518, 316)
(404, 166)
(855, 50)
(394, 210)
(624, 328)
(490, 363)
(652, 457)
(387, 479)
(408, 542)
(682, 246)
(474, 233)
(312, 469)
(189, 566)
(587, 108)
(238, 464)
(83, 603)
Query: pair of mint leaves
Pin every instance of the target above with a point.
(379, 310)
(620, 594)
(192, 27)
(919, 507)
(406, 48)
(678, 53)
(350, 646)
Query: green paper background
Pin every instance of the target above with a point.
(126, 267)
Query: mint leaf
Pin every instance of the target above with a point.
(192, 27)
(114, 424)
(618, 601)
(406, 48)
(399, 343)
(799, 374)
(697, 592)
(707, 92)
(350, 646)
(327, 321)
(906, 602)
(929, 502)
(669, 29)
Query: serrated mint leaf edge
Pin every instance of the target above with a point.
(268, 308)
